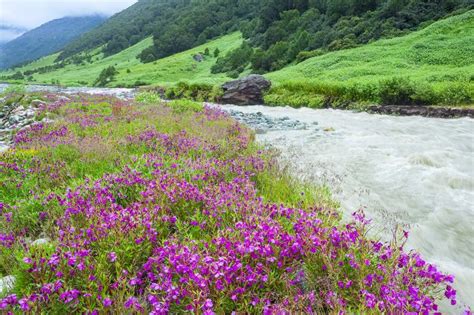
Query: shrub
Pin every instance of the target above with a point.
(148, 98)
(234, 74)
(17, 76)
(303, 55)
(106, 76)
(139, 83)
(182, 106)
(457, 93)
(235, 60)
(396, 91)
(197, 92)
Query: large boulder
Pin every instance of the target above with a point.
(245, 91)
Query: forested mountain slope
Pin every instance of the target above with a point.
(179, 24)
(46, 39)
(278, 29)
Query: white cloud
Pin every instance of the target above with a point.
(7, 35)
(32, 13)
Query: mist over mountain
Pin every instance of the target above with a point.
(10, 32)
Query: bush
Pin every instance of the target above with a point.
(106, 76)
(396, 91)
(457, 93)
(148, 97)
(282, 97)
(181, 106)
(234, 61)
(303, 55)
(196, 92)
(234, 74)
(401, 91)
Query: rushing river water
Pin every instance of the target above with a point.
(119, 92)
(413, 171)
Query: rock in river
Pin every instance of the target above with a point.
(245, 91)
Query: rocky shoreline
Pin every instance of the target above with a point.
(262, 123)
(425, 111)
(15, 116)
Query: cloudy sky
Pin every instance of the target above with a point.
(32, 13)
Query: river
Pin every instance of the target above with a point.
(412, 171)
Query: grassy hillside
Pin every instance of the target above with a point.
(443, 51)
(432, 66)
(179, 67)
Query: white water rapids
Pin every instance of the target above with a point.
(409, 170)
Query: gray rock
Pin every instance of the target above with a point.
(14, 119)
(30, 112)
(7, 283)
(245, 91)
(198, 58)
(262, 123)
(18, 111)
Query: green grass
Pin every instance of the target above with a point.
(443, 51)
(166, 71)
(433, 66)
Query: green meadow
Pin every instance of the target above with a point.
(179, 67)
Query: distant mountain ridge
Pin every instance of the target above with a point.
(45, 39)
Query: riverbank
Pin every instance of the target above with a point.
(395, 96)
(399, 97)
(309, 99)
(424, 111)
(118, 206)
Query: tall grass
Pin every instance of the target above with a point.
(394, 91)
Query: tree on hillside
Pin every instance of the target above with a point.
(106, 76)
